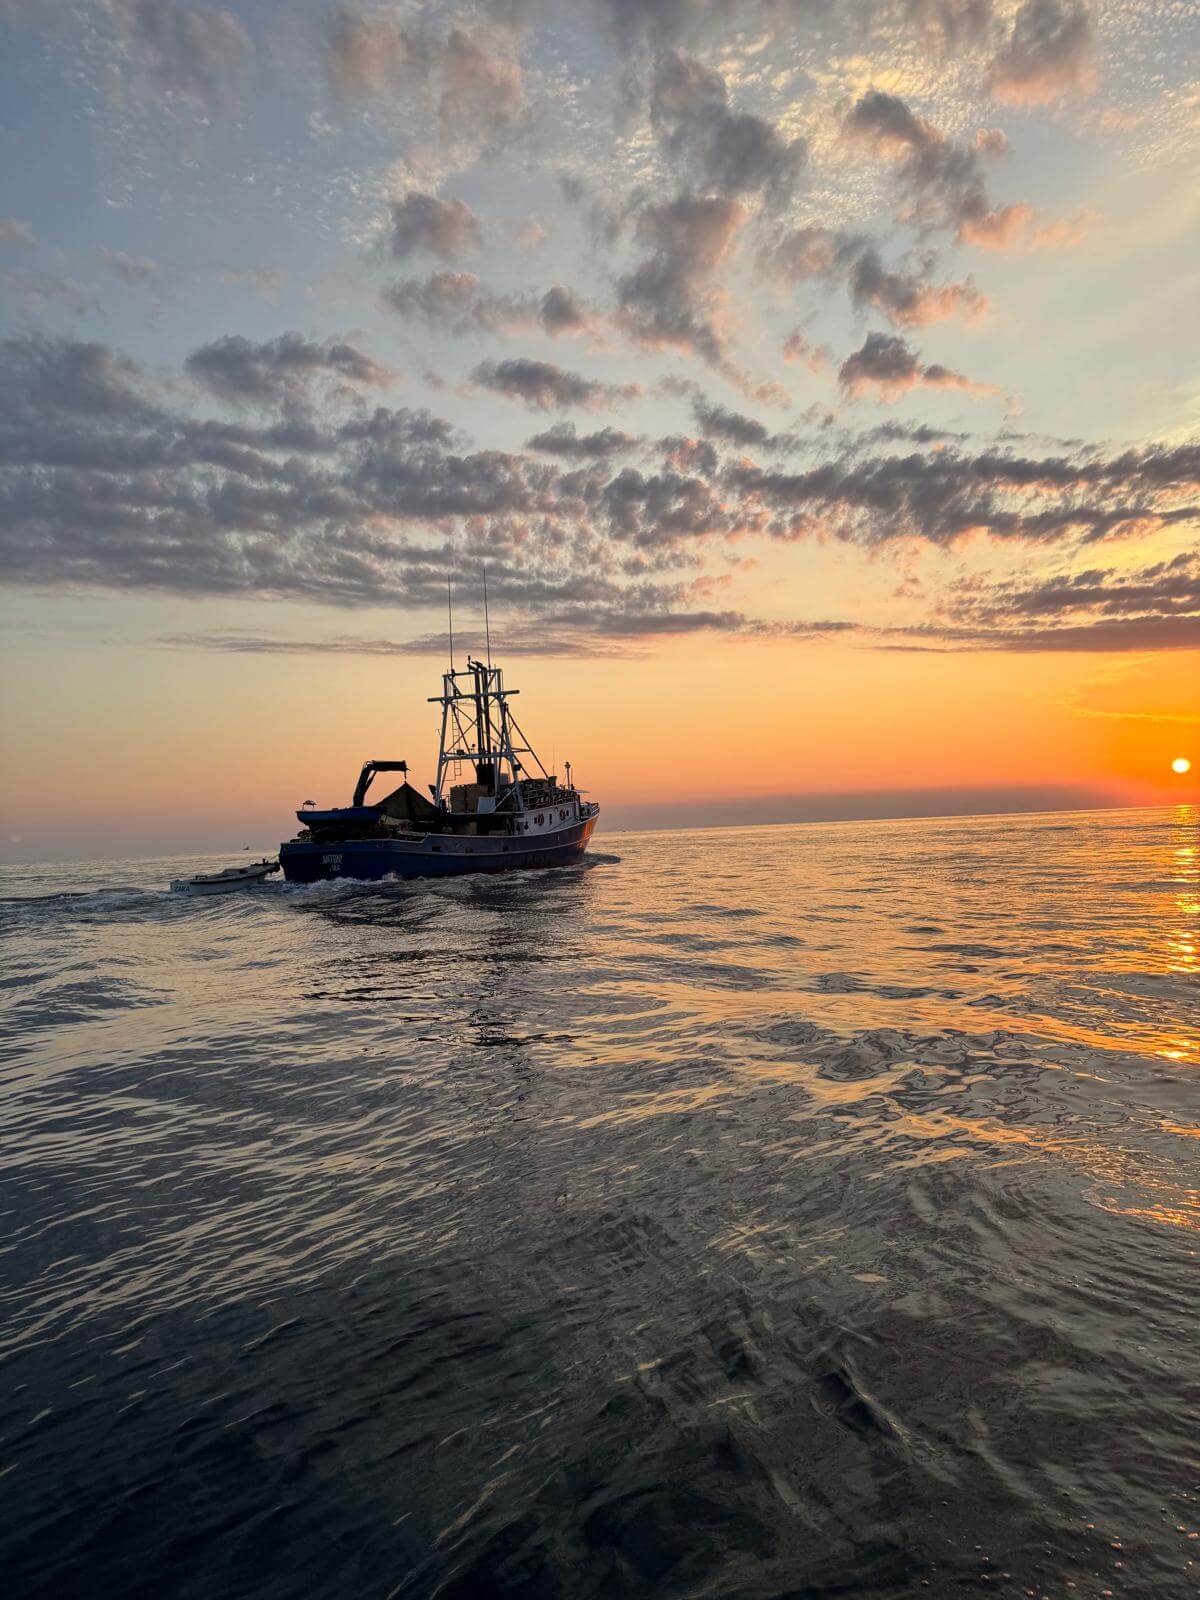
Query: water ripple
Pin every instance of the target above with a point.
(757, 1213)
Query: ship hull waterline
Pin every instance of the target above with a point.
(434, 856)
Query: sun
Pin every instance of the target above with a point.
(1181, 764)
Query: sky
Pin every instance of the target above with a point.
(817, 382)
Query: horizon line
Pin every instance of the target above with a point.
(708, 827)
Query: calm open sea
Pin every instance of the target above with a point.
(794, 1212)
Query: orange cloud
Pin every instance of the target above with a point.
(1016, 227)
(886, 365)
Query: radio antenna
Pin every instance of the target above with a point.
(450, 616)
(487, 626)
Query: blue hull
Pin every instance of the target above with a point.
(434, 856)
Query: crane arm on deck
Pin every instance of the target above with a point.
(370, 768)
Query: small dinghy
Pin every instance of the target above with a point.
(223, 882)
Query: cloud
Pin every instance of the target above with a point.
(368, 55)
(482, 85)
(199, 54)
(540, 640)
(719, 150)
(956, 24)
(718, 422)
(238, 370)
(662, 22)
(629, 621)
(667, 300)
(475, 76)
(690, 457)
(944, 181)
(915, 433)
(1016, 227)
(798, 347)
(808, 252)
(1064, 234)
(531, 234)
(662, 511)
(947, 496)
(638, 26)
(16, 234)
(461, 304)
(992, 142)
(545, 387)
(1048, 54)
(562, 440)
(562, 312)
(1170, 587)
(108, 478)
(100, 482)
(1106, 635)
(1005, 229)
(338, 497)
(58, 378)
(906, 299)
(605, 628)
(887, 365)
(445, 228)
(1097, 609)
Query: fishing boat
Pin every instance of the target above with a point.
(510, 813)
(223, 882)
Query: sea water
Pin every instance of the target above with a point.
(790, 1211)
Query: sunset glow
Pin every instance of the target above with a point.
(1181, 764)
(816, 390)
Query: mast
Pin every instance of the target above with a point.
(487, 627)
(478, 727)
